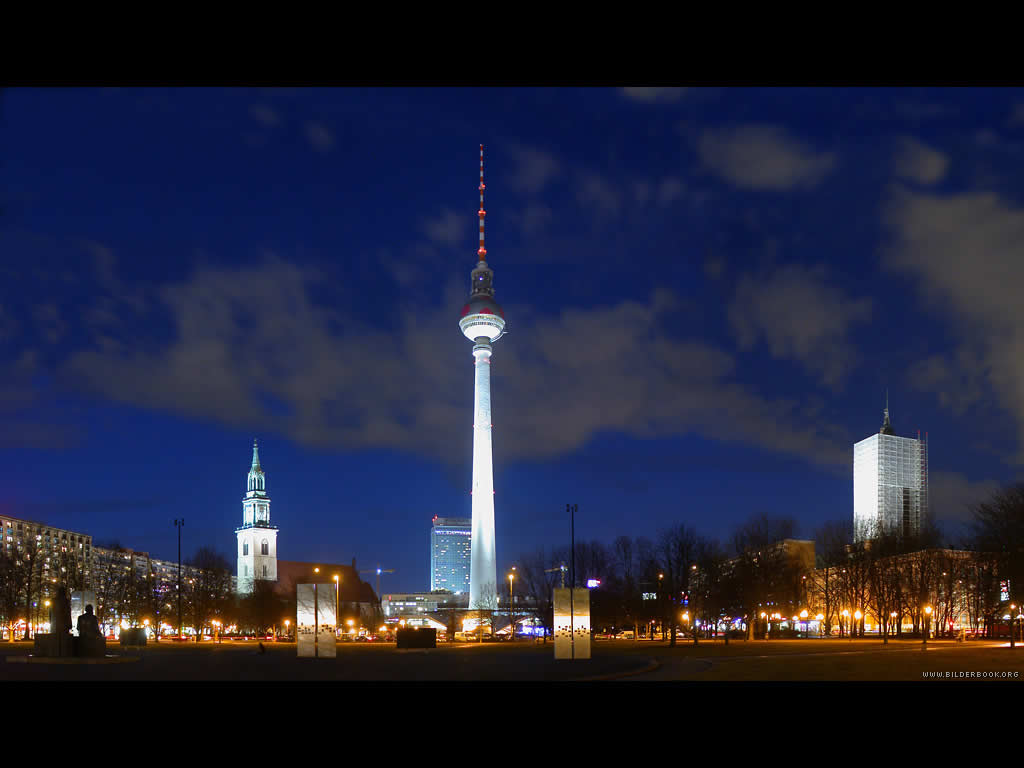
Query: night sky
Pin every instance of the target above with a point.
(708, 292)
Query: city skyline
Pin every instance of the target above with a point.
(705, 285)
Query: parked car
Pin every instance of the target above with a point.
(626, 634)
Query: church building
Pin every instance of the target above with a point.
(257, 538)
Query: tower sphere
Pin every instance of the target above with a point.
(482, 317)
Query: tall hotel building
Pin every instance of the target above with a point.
(450, 553)
(890, 484)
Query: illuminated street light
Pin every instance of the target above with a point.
(927, 624)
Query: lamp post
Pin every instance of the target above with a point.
(179, 524)
(927, 624)
(803, 615)
(661, 576)
(857, 616)
(845, 614)
(1012, 606)
(511, 614)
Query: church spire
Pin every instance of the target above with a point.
(255, 455)
(886, 426)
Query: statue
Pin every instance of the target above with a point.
(90, 641)
(88, 626)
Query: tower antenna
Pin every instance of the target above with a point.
(482, 252)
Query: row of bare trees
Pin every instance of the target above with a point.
(892, 581)
(679, 580)
(127, 588)
(30, 573)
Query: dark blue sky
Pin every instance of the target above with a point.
(708, 293)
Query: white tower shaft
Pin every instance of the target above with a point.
(483, 573)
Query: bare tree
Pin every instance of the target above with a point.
(12, 582)
(677, 550)
(208, 588)
(832, 541)
(997, 528)
(539, 576)
(763, 574)
(711, 588)
(884, 579)
(262, 607)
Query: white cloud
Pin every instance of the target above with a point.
(918, 162)
(802, 316)
(951, 495)
(763, 157)
(449, 227)
(264, 114)
(968, 253)
(49, 322)
(669, 191)
(597, 194)
(319, 136)
(244, 337)
(534, 168)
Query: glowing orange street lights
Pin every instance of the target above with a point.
(927, 624)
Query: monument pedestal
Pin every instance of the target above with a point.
(572, 623)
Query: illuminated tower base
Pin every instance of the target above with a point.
(483, 571)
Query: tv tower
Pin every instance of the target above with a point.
(482, 322)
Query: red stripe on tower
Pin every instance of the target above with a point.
(482, 252)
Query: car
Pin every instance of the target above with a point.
(626, 635)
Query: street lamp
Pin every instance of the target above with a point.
(846, 615)
(927, 624)
(660, 577)
(511, 614)
(803, 615)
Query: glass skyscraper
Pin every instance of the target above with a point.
(890, 485)
(450, 549)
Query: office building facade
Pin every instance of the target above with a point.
(890, 485)
(450, 554)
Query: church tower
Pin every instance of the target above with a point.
(257, 538)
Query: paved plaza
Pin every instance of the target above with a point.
(627, 661)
